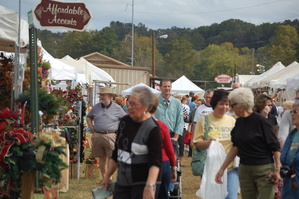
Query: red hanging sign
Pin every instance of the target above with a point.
(223, 79)
(73, 15)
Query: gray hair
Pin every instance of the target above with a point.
(145, 95)
(296, 103)
(242, 96)
(209, 91)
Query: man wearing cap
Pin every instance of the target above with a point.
(103, 120)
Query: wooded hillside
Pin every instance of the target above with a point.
(200, 53)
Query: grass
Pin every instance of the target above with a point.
(81, 188)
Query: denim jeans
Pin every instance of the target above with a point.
(232, 184)
(165, 181)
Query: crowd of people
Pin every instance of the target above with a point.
(135, 135)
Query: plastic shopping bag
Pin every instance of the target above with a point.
(209, 189)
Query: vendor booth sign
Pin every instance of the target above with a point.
(223, 79)
(72, 15)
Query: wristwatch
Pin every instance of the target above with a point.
(150, 185)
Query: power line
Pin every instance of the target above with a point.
(217, 11)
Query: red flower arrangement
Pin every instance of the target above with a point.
(91, 159)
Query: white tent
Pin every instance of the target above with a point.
(286, 72)
(9, 25)
(183, 86)
(84, 73)
(254, 82)
(242, 79)
(58, 70)
(98, 74)
(129, 90)
(67, 57)
(293, 82)
(282, 82)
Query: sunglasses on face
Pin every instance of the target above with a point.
(232, 105)
(294, 111)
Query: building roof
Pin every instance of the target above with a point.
(103, 61)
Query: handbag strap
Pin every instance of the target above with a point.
(206, 127)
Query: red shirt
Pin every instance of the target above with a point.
(167, 149)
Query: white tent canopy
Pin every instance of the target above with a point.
(67, 57)
(58, 70)
(293, 82)
(286, 72)
(183, 86)
(282, 82)
(9, 25)
(129, 90)
(98, 74)
(242, 79)
(254, 82)
(84, 73)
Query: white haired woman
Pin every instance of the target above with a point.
(138, 150)
(257, 146)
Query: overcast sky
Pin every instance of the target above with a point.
(163, 14)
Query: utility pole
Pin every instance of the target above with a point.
(132, 56)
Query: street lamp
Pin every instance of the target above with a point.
(260, 68)
(153, 51)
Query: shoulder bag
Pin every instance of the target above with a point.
(199, 155)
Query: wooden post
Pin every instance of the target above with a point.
(27, 188)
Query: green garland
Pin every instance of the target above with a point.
(13, 173)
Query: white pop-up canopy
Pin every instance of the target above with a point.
(9, 25)
(283, 81)
(286, 72)
(58, 70)
(293, 82)
(98, 74)
(129, 90)
(83, 72)
(254, 82)
(183, 86)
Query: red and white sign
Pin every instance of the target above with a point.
(223, 79)
(73, 15)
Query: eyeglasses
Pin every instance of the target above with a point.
(232, 105)
(294, 111)
(132, 104)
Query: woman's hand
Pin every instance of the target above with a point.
(173, 174)
(275, 177)
(148, 192)
(105, 182)
(219, 176)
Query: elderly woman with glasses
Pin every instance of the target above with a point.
(290, 158)
(257, 146)
(138, 149)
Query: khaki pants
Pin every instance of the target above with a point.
(254, 181)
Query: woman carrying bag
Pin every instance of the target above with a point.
(219, 127)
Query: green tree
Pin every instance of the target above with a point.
(77, 44)
(104, 41)
(180, 60)
(142, 51)
(216, 60)
(282, 46)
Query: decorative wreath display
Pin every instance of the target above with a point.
(21, 151)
